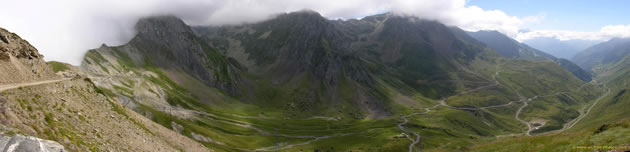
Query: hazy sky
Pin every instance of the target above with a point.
(63, 30)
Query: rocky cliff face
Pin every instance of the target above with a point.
(19, 61)
(168, 42)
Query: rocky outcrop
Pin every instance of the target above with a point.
(16, 46)
(4, 57)
(21, 143)
(19, 61)
(302, 46)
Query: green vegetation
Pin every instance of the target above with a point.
(604, 138)
(461, 128)
(58, 66)
(124, 90)
(326, 98)
(95, 56)
(124, 60)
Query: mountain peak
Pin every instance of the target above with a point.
(304, 16)
(306, 12)
(158, 23)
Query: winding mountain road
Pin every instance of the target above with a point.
(583, 114)
(589, 109)
(518, 112)
(525, 102)
(405, 121)
(443, 103)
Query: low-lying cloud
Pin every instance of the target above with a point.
(64, 30)
(604, 34)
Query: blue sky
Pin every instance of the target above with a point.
(571, 15)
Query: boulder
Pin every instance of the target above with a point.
(21, 143)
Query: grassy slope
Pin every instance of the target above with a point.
(606, 125)
(460, 129)
(58, 66)
(613, 135)
(225, 123)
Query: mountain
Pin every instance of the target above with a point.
(509, 47)
(42, 111)
(560, 48)
(609, 52)
(300, 37)
(300, 81)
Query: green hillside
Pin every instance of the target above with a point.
(302, 82)
(604, 128)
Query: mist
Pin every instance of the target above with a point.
(64, 30)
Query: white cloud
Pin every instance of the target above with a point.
(471, 18)
(64, 29)
(605, 33)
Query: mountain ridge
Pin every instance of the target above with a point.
(509, 47)
(608, 52)
(566, 49)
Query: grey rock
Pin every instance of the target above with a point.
(4, 38)
(21, 143)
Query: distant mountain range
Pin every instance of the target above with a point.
(509, 47)
(566, 49)
(609, 52)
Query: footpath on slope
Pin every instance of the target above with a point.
(26, 84)
(28, 143)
